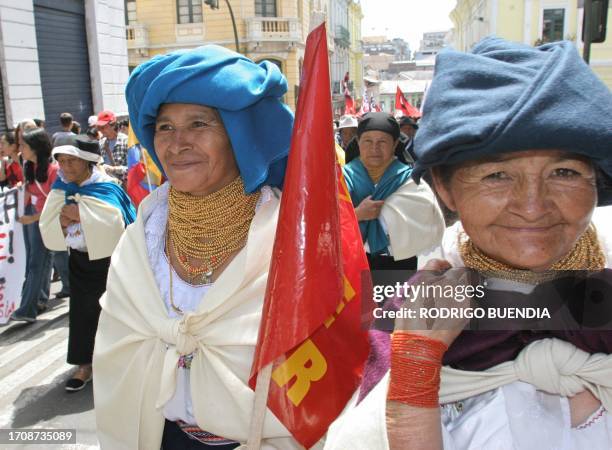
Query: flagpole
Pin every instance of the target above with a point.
(144, 160)
(258, 415)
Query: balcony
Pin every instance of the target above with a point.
(273, 29)
(137, 36)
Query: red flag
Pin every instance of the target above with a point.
(310, 328)
(404, 105)
(349, 103)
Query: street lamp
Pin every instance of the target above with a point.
(214, 4)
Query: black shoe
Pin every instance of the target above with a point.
(76, 384)
(62, 294)
(41, 307)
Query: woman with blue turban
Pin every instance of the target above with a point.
(181, 314)
(517, 141)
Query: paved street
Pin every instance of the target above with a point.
(33, 371)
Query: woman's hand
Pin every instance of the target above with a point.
(369, 209)
(439, 274)
(27, 220)
(70, 213)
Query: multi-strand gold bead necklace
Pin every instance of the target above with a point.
(585, 255)
(208, 229)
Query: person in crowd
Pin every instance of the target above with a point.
(352, 150)
(113, 145)
(124, 126)
(90, 225)
(408, 128)
(398, 218)
(39, 173)
(347, 130)
(66, 135)
(40, 123)
(93, 133)
(76, 127)
(196, 260)
(11, 172)
(508, 137)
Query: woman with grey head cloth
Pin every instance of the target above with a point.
(509, 138)
(398, 219)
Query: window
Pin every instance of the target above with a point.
(189, 11)
(130, 12)
(553, 24)
(265, 8)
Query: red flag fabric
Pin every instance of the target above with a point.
(349, 105)
(311, 330)
(404, 105)
(134, 189)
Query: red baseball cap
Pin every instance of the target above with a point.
(105, 117)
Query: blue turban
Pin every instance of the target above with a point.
(505, 97)
(247, 96)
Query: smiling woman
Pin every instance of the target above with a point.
(509, 139)
(181, 314)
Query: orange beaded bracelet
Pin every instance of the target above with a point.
(416, 362)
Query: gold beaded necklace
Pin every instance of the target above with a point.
(209, 228)
(585, 255)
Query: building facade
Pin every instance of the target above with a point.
(531, 22)
(356, 50)
(431, 44)
(274, 30)
(61, 56)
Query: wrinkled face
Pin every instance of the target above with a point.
(376, 149)
(347, 134)
(76, 170)
(525, 209)
(194, 148)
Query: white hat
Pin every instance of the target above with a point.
(348, 122)
(75, 151)
(91, 121)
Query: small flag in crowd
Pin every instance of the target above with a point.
(311, 331)
(349, 103)
(403, 105)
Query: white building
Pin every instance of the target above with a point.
(61, 56)
(339, 29)
(431, 44)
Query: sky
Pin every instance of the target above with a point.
(407, 19)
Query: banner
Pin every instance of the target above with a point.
(12, 252)
(311, 323)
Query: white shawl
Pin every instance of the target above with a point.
(551, 365)
(138, 346)
(413, 219)
(102, 224)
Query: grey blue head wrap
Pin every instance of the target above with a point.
(247, 96)
(505, 97)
